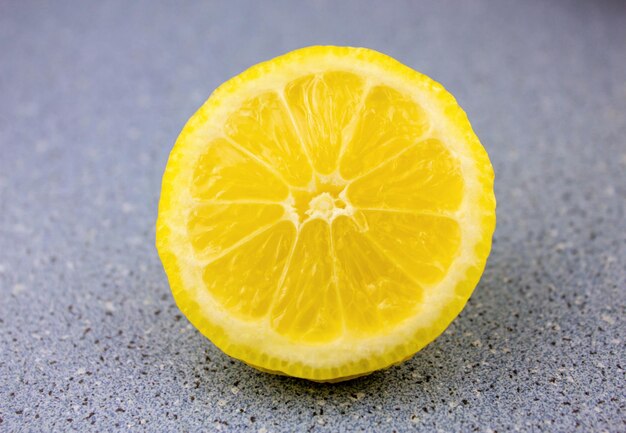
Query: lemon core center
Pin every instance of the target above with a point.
(324, 199)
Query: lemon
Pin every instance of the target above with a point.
(326, 213)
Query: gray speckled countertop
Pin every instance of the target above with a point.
(92, 97)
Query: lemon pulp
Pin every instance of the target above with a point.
(326, 213)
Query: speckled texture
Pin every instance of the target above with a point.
(91, 100)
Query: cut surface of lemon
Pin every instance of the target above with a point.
(326, 213)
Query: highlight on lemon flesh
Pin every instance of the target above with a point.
(326, 213)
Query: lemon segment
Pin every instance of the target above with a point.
(248, 294)
(216, 227)
(323, 106)
(307, 307)
(376, 293)
(262, 125)
(389, 122)
(225, 172)
(424, 244)
(424, 176)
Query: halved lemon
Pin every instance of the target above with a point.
(326, 213)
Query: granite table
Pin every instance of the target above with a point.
(92, 96)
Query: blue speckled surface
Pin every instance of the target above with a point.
(92, 97)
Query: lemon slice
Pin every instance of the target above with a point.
(326, 213)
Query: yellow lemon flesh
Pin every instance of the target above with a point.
(326, 213)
